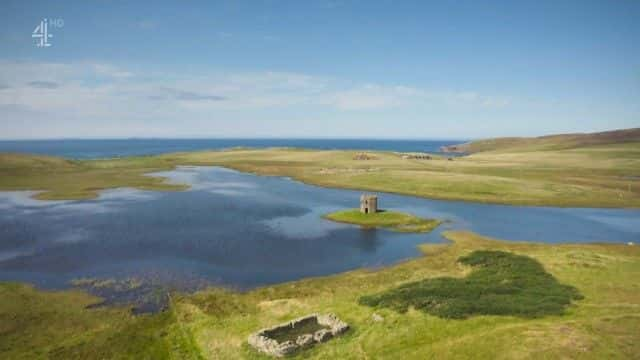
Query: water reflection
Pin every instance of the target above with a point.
(242, 230)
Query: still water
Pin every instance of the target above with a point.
(241, 230)
(109, 148)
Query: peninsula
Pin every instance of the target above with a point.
(603, 173)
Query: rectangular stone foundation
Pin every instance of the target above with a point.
(323, 327)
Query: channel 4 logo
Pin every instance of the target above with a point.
(42, 33)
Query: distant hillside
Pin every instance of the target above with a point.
(549, 142)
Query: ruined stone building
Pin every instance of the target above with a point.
(368, 204)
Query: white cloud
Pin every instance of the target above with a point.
(56, 86)
(367, 97)
(111, 71)
(108, 98)
(372, 96)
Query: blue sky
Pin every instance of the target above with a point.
(384, 69)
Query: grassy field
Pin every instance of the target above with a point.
(393, 220)
(601, 322)
(549, 142)
(214, 324)
(68, 179)
(57, 325)
(592, 176)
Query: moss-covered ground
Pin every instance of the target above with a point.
(501, 283)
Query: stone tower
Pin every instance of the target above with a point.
(368, 204)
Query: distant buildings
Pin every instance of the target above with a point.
(364, 156)
(417, 156)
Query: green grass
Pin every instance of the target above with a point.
(502, 283)
(584, 176)
(550, 142)
(215, 323)
(292, 333)
(58, 325)
(59, 178)
(598, 326)
(393, 220)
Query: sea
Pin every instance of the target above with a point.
(112, 148)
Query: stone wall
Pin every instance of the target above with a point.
(263, 342)
(368, 204)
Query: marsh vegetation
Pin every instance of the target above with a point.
(501, 283)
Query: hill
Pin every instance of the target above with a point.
(548, 142)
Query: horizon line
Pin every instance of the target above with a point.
(238, 138)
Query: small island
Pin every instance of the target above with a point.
(392, 220)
